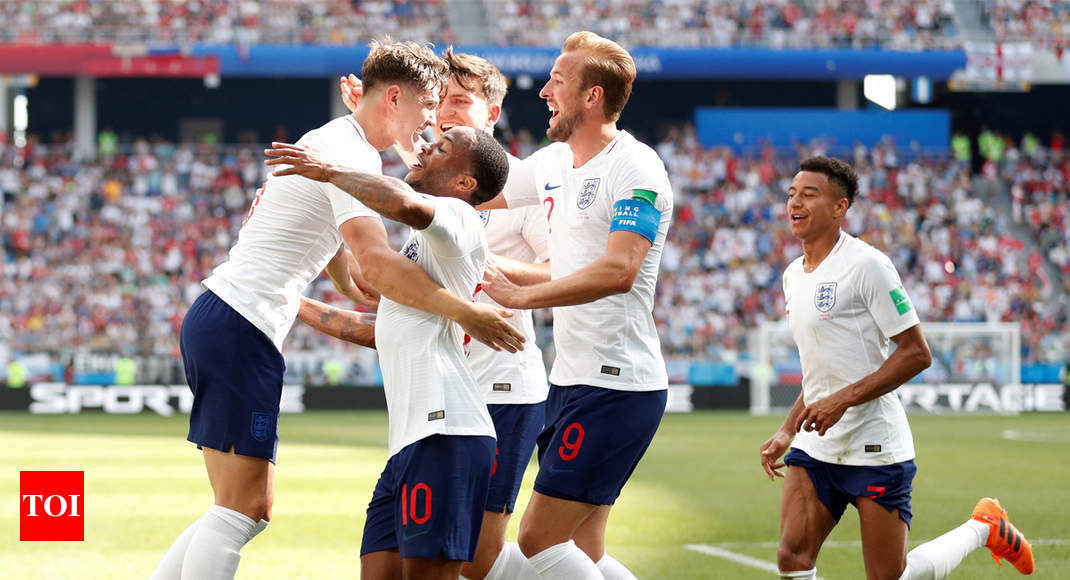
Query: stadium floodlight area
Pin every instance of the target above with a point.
(976, 369)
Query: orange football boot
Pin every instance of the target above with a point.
(1004, 539)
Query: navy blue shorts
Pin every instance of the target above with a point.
(235, 373)
(517, 427)
(839, 485)
(429, 500)
(593, 439)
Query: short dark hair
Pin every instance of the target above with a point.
(839, 174)
(403, 63)
(490, 167)
(469, 68)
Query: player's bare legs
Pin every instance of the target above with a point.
(549, 521)
(211, 546)
(884, 540)
(430, 569)
(591, 535)
(241, 483)
(388, 565)
(805, 522)
(381, 565)
(491, 540)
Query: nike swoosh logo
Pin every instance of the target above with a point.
(548, 188)
(408, 537)
(559, 470)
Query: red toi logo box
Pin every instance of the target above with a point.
(51, 506)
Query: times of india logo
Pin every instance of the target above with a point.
(52, 506)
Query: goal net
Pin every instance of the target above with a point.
(976, 368)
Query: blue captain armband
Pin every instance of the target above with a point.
(637, 215)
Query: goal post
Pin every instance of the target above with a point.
(976, 368)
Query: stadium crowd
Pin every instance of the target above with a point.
(241, 22)
(1043, 22)
(105, 255)
(923, 24)
(960, 255)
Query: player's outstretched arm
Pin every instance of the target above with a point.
(613, 273)
(911, 356)
(391, 197)
(345, 273)
(347, 325)
(520, 273)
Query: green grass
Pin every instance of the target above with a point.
(700, 483)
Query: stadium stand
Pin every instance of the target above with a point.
(1044, 23)
(925, 24)
(241, 22)
(697, 23)
(105, 255)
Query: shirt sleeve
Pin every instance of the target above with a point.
(345, 206)
(536, 232)
(642, 172)
(455, 229)
(520, 188)
(885, 298)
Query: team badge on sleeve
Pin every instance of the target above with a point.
(901, 300)
(825, 296)
(587, 193)
(484, 215)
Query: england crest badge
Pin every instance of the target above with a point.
(260, 427)
(587, 192)
(484, 214)
(825, 296)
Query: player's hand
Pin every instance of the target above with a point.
(352, 91)
(771, 451)
(820, 415)
(488, 325)
(302, 160)
(499, 287)
(368, 295)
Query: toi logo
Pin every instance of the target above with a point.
(51, 506)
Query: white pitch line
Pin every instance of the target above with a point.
(734, 557)
(858, 543)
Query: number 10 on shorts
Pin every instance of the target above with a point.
(420, 495)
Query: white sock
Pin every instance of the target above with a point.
(213, 550)
(936, 558)
(565, 562)
(611, 569)
(810, 574)
(511, 565)
(170, 566)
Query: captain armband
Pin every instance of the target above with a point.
(637, 215)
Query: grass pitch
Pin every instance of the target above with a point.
(700, 483)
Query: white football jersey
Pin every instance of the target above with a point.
(291, 233)
(513, 378)
(841, 316)
(611, 342)
(429, 387)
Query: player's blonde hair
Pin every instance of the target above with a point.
(606, 65)
(403, 62)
